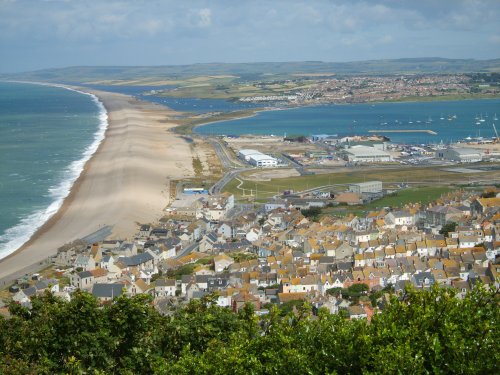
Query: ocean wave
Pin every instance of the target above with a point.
(13, 238)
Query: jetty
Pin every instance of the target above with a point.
(404, 131)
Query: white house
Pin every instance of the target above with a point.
(222, 261)
(165, 287)
(399, 218)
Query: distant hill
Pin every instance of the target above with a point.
(253, 71)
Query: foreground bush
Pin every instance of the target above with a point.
(424, 332)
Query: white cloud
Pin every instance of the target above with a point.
(257, 30)
(205, 17)
(201, 18)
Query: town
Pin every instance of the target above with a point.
(330, 88)
(283, 253)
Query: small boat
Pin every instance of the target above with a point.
(495, 118)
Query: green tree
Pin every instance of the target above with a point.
(447, 228)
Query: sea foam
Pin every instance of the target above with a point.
(13, 238)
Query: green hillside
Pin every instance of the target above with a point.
(254, 71)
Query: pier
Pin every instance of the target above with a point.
(405, 131)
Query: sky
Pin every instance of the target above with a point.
(38, 34)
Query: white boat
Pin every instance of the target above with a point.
(495, 118)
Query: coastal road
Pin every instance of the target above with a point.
(228, 163)
(223, 154)
(99, 235)
(219, 185)
(298, 167)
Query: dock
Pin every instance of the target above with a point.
(404, 131)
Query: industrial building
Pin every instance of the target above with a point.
(257, 158)
(365, 154)
(366, 187)
(460, 154)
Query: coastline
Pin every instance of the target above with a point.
(121, 183)
(62, 189)
(368, 132)
(253, 114)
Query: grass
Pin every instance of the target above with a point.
(266, 189)
(423, 195)
(186, 125)
(197, 166)
(229, 88)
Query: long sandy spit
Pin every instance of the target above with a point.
(126, 181)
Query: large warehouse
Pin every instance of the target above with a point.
(257, 158)
(460, 154)
(364, 154)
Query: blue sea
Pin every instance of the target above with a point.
(451, 120)
(46, 135)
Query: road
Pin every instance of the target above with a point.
(99, 235)
(225, 157)
(298, 167)
(219, 185)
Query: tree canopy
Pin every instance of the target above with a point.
(420, 332)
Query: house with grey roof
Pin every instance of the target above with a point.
(47, 284)
(82, 280)
(141, 261)
(126, 249)
(86, 263)
(165, 287)
(423, 280)
(107, 292)
(440, 215)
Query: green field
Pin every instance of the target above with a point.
(266, 189)
(423, 195)
(256, 71)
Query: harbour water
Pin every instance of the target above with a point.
(192, 105)
(450, 120)
(46, 136)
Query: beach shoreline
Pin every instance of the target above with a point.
(120, 185)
